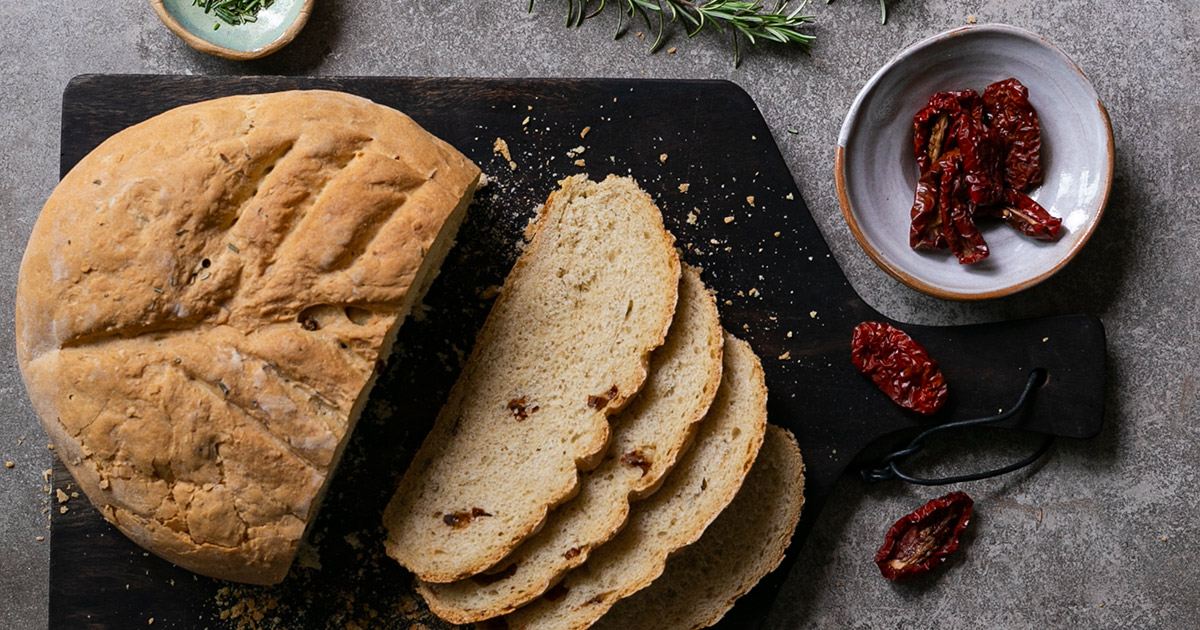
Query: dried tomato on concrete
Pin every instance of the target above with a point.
(921, 541)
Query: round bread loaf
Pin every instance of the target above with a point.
(203, 303)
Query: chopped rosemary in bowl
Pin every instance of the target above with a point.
(233, 12)
(261, 26)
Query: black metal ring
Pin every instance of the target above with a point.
(887, 467)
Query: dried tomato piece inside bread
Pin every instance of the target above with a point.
(746, 542)
(692, 496)
(203, 303)
(566, 344)
(648, 438)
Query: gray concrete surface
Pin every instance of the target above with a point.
(1104, 535)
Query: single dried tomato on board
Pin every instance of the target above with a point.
(921, 541)
(899, 366)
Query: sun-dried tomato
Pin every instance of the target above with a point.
(957, 212)
(921, 541)
(1007, 110)
(1028, 216)
(926, 230)
(977, 154)
(899, 366)
(983, 165)
(935, 127)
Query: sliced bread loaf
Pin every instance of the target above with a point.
(566, 344)
(702, 581)
(647, 440)
(696, 491)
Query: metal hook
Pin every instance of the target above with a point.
(887, 467)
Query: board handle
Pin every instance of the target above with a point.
(986, 366)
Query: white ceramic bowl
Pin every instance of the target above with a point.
(876, 172)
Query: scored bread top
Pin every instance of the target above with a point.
(203, 302)
(747, 541)
(566, 344)
(648, 438)
(693, 494)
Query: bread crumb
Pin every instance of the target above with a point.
(812, 314)
(62, 496)
(671, 51)
(1045, 339)
(750, 200)
(9, 464)
(729, 219)
(62, 510)
(50, 447)
(691, 218)
(785, 356)
(584, 133)
(501, 147)
(580, 163)
(752, 292)
(40, 538)
(150, 621)
(576, 151)
(47, 473)
(684, 187)
(525, 122)
(790, 197)
(789, 335)
(971, 19)
(663, 158)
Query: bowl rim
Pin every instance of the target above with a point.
(851, 119)
(205, 46)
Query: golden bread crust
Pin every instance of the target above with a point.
(203, 302)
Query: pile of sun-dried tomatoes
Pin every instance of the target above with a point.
(978, 156)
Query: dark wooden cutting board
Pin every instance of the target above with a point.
(777, 285)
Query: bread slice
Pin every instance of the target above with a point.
(566, 344)
(203, 303)
(647, 439)
(745, 543)
(704, 482)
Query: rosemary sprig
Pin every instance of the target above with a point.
(749, 19)
(233, 12)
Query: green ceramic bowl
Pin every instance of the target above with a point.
(276, 26)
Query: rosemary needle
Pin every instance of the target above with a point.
(233, 12)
